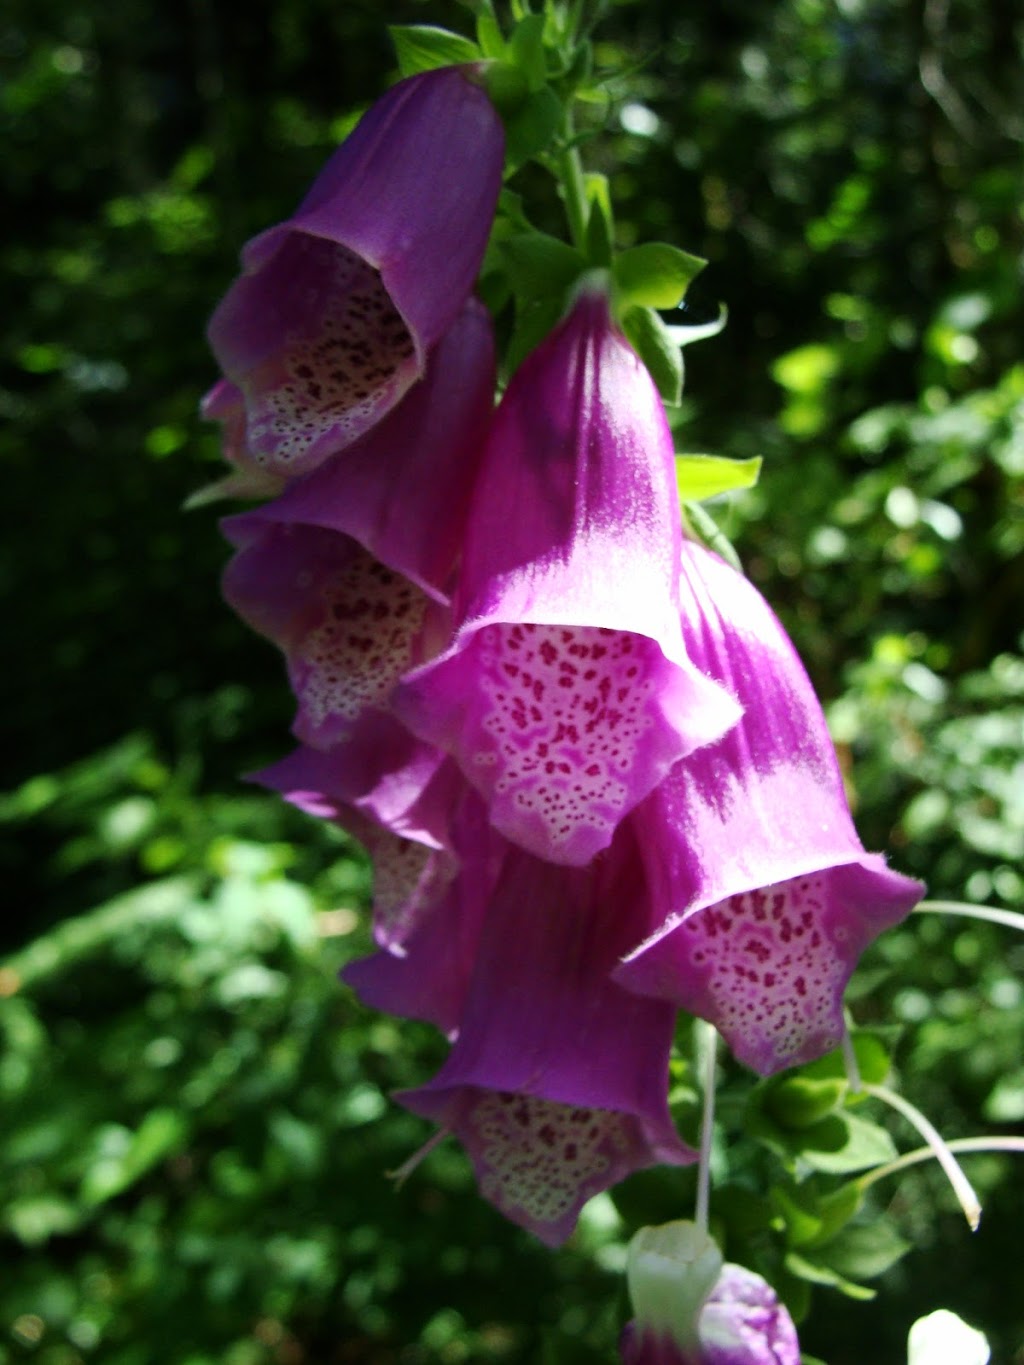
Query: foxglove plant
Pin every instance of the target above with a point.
(590, 771)
(337, 308)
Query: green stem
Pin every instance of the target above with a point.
(707, 1124)
(575, 20)
(853, 1075)
(984, 912)
(574, 186)
(402, 1174)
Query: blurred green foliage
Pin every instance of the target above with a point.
(194, 1114)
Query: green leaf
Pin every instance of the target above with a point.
(600, 220)
(865, 1250)
(872, 1060)
(526, 50)
(812, 1218)
(124, 1158)
(489, 35)
(838, 1207)
(806, 1268)
(656, 274)
(803, 1225)
(649, 337)
(837, 1144)
(35, 1219)
(534, 319)
(798, 1102)
(864, 1145)
(540, 265)
(700, 477)
(422, 47)
(530, 129)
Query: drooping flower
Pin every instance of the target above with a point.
(556, 1085)
(567, 693)
(763, 895)
(690, 1309)
(346, 571)
(336, 309)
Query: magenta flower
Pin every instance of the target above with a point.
(567, 694)
(346, 571)
(335, 311)
(689, 1309)
(556, 1085)
(763, 895)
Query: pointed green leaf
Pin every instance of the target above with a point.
(649, 337)
(489, 35)
(872, 1060)
(799, 1102)
(708, 476)
(865, 1250)
(422, 47)
(530, 129)
(837, 1208)
(540, 264)
(656, 274)
(125, 1161)
(703, 527)
(534, 319)
(526, 50)
(813, 1218)
(865, 1145)
(802, 1222)
(838, 1144)
(600, 221)
(805, 1268)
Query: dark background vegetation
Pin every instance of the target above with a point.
(195, 1115)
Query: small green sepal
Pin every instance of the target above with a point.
(655, 274)
(539, 265)
(422, 47)
(649, 337)
(701, 477)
